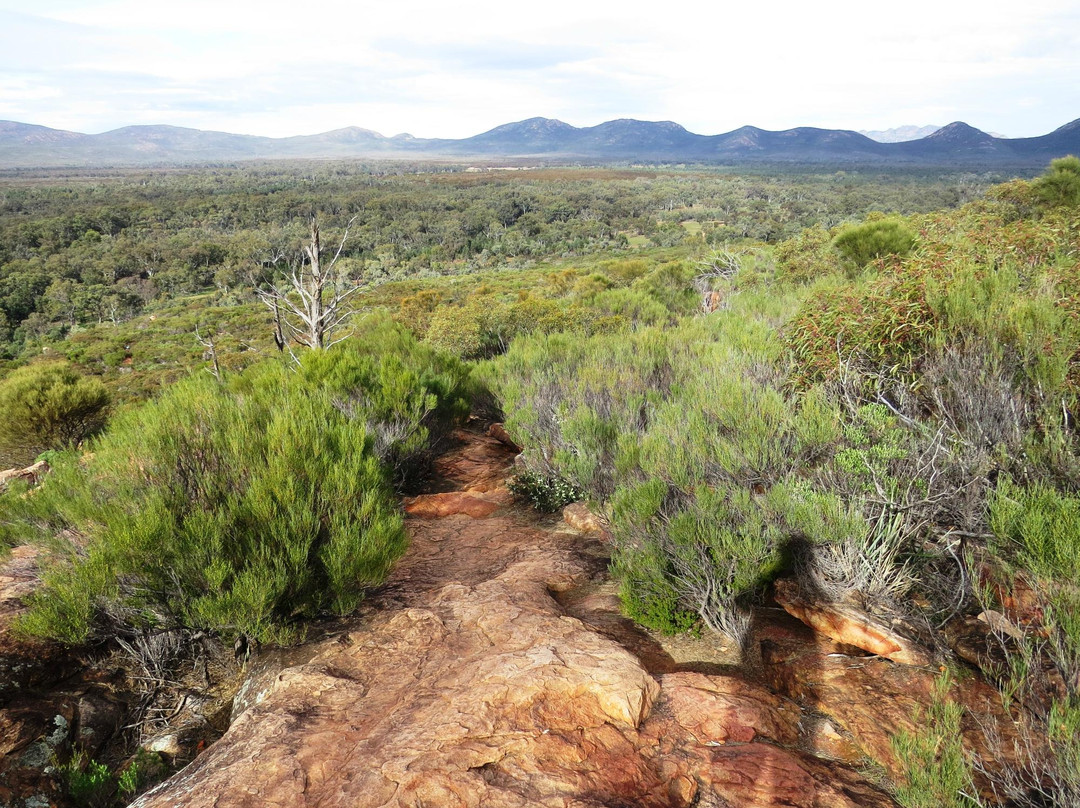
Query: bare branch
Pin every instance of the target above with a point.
(310, 306)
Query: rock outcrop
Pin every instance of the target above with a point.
(846, 624)
(872, 699)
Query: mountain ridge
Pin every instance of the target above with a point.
(24, 145)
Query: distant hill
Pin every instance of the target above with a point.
(546, 139)
(899, 134)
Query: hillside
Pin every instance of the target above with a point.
(25, 145)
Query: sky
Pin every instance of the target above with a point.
(459, 67)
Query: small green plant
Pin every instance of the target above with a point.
(546, 492)
(145, 769)
(937, 773)
(874, 440)
(87, 782)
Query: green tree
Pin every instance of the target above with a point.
(48, 406)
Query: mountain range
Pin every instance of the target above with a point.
(542, 139)
(899, 134)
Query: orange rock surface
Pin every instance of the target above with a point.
(466, 683)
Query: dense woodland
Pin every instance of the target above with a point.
(78, 251)
(866, 383)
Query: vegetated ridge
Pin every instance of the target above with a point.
(27, 145)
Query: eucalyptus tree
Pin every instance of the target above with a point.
(309, 297)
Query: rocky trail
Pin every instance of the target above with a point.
(493, 669)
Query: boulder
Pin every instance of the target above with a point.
(578, 516)
(847, 624)
(31, 474)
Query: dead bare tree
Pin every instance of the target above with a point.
(720, 265)
(309, 303)
(210, 352)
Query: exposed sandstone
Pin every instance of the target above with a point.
(871, 699)
(849, 625)
(498, 431)
(578, 516)
(465, 682)
(437, 506)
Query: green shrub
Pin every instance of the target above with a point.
(244, 509)
(145, 769)
(485, 326)
(936, 772)
(671, 285)
(634, 307)
(806, 257)
(409, 395)
(860, 244)
(676, 428)
(547, 492)
(88, 782)
(1060, 185)
(1039, 528)
(48, 406)
(706, 554)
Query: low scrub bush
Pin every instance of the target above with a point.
(546, 492)
(683, 560)
(937, 774)
(48, 406)
(89, 783)
(1060, 185)
(688, 432)
(806, 257)
(241, 509)
(484, 326)
(860, 244)
(1037, 528)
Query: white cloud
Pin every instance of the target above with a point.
(453, 69)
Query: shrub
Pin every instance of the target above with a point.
(48, 406)
(936, 772)
(546, 492)
(485, 326)
(806, 257)
(636, 308)
(87, 782)
(681, 561)
(677, 428)
(408, 395)
(242, 509)
(860, 244)
(1039, 528)
(1060, 185)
